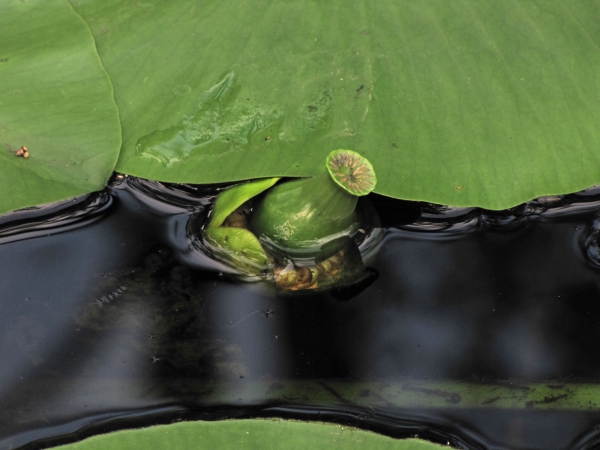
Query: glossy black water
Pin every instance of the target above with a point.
(111, 318)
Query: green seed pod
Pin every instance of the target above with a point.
(306, 217)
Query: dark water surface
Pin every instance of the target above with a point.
(478, 328)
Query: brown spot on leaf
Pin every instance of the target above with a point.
(22, 152)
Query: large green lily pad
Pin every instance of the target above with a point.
(57, 101)
(247, 435)
(464, 102)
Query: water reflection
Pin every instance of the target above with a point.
(256, 325)
(452, 340)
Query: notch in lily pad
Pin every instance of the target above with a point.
(352, 171)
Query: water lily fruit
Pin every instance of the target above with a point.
(305, 216)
